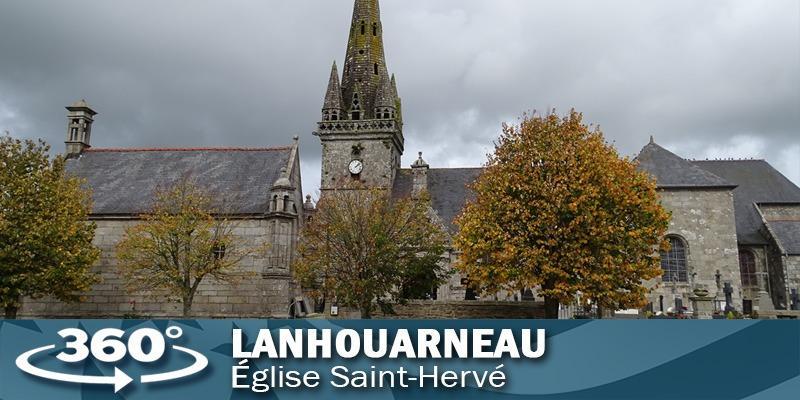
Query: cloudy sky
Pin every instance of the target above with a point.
(709, 79)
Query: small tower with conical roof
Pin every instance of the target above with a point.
(332, 108)
(361, 129)
(79, 127)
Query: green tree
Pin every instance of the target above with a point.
(180, 243)
(45, 239)
(365, 248)
(557, 208)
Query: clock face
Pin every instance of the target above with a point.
(355, 167)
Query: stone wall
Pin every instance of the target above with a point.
(704, 219)
(438, 309)
(780, 212)
(792, 264)
(378, 154)
(266, 289)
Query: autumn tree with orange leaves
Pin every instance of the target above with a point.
(558, 209)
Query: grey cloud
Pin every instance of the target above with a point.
(708, 79)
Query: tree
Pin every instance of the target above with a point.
(363, 247)
(179, 244)
(45, 239)
(557, 208)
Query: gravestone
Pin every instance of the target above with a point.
(702, 303)
(728, 290)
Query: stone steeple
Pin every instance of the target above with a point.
(361, 123)
(332, 108)
(365, 62)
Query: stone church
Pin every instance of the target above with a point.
(735, 223)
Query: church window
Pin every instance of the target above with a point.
(219, 251)
(673, 262)
(74, 134)
(286, 203)
(361, 52)
(356, 115)
(747, 266)
(363, 27)
(374, 29)
(274, 203)
(376, 68)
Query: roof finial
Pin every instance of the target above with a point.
(420, 163)
(652, 140)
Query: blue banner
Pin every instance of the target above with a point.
(318, 359)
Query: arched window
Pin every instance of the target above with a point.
(374, 29)
(673, 262)
(363, 27)
(747, 266)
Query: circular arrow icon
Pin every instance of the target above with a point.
(120, 379)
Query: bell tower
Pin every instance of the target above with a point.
(361, 128)
(79, 127)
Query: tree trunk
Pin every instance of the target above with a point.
(366, 309)
(599, 312)
(187, 307)
(11, 312)
(551, 307)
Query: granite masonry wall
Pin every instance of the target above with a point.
(785, 267)
(265, 290)
(379, 156)
(704, 220)
(440, 309)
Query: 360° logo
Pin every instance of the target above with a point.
(106, 346)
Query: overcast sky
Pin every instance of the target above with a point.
(709, 79)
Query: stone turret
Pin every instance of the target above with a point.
(79, 128)
(420, 169)
(283, 195)
(332, 109)
(362, 111)
(385, 104)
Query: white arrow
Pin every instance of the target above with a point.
(119, 380)
(200, 363)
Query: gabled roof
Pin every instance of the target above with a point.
(447, 188)
(124, 181)
(757, 182)
(673, 172)
(788, 235)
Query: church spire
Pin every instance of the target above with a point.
(365, 62)
(332, 108)
(361, 122)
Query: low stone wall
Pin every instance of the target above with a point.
(433, 309)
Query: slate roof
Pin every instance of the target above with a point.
(788, 234)
(672, 171)
(757, 182)
(123, 181)
(447, 188)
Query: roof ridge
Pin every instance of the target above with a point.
(727, 159)
(187, 149)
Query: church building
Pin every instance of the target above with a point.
(257, 189)
(735, 223)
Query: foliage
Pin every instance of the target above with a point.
(179, 244)
(45, 239)
(557, 208)
(363, 247)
